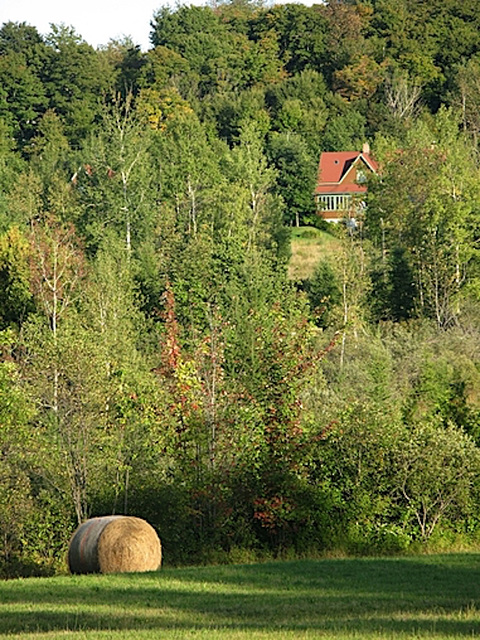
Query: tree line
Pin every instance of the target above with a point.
(155, 357)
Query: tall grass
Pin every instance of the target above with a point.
(309, 246)
(429, 596)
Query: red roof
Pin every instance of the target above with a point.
(334, 175)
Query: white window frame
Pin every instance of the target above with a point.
(334, 202)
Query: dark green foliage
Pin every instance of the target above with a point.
(393, 291)
(220, 56)
(25, 39)
(22, 98)
(301, 33)
(344, 130)
(130, 68)
(74, 81)
(323, 293)
(297, 170)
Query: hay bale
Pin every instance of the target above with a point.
(114, 544)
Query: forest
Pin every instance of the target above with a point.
(157, 360)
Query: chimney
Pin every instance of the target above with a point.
(366, 148)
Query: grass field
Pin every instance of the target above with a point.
(309, 246)
(417, 597)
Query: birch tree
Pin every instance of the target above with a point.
(425, 204)
(59, 364)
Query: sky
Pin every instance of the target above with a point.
(97, 21)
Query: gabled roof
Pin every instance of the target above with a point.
(334, 174)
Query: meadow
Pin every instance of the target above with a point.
(309, 246)
(435, 596)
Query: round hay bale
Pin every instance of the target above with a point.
(114, 544)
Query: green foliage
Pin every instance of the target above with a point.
(16, 300)
(11, 166)
(73, 81)
(223, 58)
(300, 31)
(115, 188)
(22, 96)
(16, 500)
(393, 291)
(436, 469)
(323, 293)
(345, 129)
(296, 174)
(422, 209)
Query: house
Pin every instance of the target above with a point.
(342, 180)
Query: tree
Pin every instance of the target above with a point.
(23, 54)
(50, 147)
(468, 96)
(350, 267)
(16, 501)
(345, 127)
(214, 52)
(24, 202)
(271, 357)
(393, 291)
(16, 300)
(56, 269)
(57, 354)
(129, 62)
(230, 112)
(299, 106)
(358, 81)
(436, 468)
(297, 170)
(301, 33)
(115, 184)
(407, 33)
(347, 24)
(125, 437)
(22, 97)
(323, 293)
(11, 166)
(74, 81)
(257, 179)
(425, 203)
(190, 171)
(402, 95)
(165, 67)
(20, 37)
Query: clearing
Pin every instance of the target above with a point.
(309, 246)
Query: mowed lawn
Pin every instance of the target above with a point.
(415, 597)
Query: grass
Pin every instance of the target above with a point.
(417, 597)
(309, 246)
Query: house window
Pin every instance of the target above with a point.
(361, 176)
(334, 203)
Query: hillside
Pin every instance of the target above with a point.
(157, 360)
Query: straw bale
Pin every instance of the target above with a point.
(114, 544)
(129, 544)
